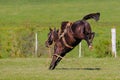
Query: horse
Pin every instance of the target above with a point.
(70, 36)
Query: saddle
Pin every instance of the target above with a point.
(66, 28)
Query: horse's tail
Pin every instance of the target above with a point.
(94, 16)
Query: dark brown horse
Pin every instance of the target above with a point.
(70, 36)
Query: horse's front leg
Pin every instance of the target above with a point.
(56, 57)
(55, 62)
(52, 64)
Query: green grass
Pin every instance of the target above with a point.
(18, 17)
(52, 12)
(21, 16)
(68, 69)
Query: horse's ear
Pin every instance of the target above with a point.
(54, 29)
(57, 30)
(50, 29)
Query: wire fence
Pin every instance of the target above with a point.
(22, 43)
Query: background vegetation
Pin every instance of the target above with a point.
(21, 19)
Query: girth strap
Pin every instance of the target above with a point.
(57, 56)
(65, 43)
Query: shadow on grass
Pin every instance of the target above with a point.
(78, 68)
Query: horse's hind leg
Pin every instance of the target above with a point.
(89, 39)
(92, 36)
(88, 42)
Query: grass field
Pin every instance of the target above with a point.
(20, 19)
(68, 69)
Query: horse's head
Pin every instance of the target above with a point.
(52, 37)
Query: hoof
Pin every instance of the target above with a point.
(51, 68)
(90, 47)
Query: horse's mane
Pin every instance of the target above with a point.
(56, 34)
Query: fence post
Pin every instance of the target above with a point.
(113, 40)
(79, 49)
(36, 44)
